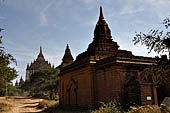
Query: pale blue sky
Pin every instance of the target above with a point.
(54, 23)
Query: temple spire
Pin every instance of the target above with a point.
(67, 47)
(102, 44)
(40, 54)
(67, 58)
(40, 50)
(101, 17)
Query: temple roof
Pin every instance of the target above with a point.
(103, 51)
(67, 56)
(102, 44)
(39, 63)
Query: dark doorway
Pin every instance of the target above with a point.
(162, 92)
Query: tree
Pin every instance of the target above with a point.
(158, 74)
(52, 82)
(6, 72)
(159, 41)
(43, 84)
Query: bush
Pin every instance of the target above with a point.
(114, 107)
(164, 108)
(111, 107)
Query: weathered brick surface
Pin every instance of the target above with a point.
(147, 90)
(83, 87)
(100, 85)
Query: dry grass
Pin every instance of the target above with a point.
(165, 108)
(20, 104)
(146, 109)
(4, 107)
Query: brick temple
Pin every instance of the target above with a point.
(39, 64)
(104, 72)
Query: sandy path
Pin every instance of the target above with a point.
(22, 104)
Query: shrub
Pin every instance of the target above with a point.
(114, 107)
(165, 108)
(111, 107)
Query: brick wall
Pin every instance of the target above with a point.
(79, 93)
(148, 94)
(109, 83)
(88, 86)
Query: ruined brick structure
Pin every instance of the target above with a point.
(39, 64)
(104, 72)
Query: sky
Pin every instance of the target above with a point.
(52, 24)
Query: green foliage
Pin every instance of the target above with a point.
(111, 107)
(15, 91)
(43, 84)
(166, 22)
(165, 108)
(6, 72)
(159, 75)
(114, 107)
(157, 40)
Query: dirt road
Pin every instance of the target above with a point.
(22, 104)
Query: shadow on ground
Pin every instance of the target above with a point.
(53, 109)
(32, 103)
(31, 106)
(66, 109)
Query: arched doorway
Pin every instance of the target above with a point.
(72, 96)
(132, 92)
(162, 92)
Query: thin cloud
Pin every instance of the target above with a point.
(43, 19)
(2, 18)
(43, 16)
(131, 7)
(131, 10)
(88, 1)
(127, 44)
(90, 23)
(160, 7)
